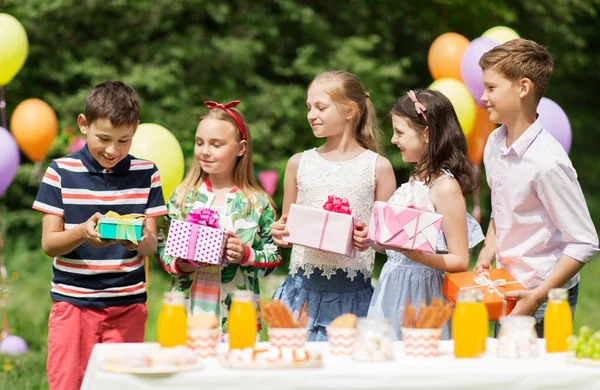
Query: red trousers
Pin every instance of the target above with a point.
(73, 331)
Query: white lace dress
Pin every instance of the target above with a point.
(332, 284)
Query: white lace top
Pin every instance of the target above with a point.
(353, 179)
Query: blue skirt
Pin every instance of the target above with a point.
(327, 298)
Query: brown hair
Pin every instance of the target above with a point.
(447, 146)
(115, 101)
(244, 169)
(521, 58)
(345, 87)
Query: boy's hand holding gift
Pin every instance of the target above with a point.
(90, 234)
(408, 221)
(331, 229)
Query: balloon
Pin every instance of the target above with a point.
(76, 144)
(445, 54)
(268, 180)
(154, 143)
(479, 135)
(461, 100)
(13, 345)
(9, 159)
(35, 127)
(470, 71)
(13, 47)
(556, 122)
(500, 34)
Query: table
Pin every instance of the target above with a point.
(488, 372)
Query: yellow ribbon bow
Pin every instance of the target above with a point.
(127, 231)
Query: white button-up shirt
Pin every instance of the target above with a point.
(537, 205)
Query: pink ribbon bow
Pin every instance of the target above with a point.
(204, 217)
(419, 107)
(337, 205)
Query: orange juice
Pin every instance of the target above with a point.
(466, 325)
(558, 321)
(172, 320)
(482, 320)
(242, 321)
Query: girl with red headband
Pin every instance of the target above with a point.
(346, 165)
(222, 178)
(429, 136)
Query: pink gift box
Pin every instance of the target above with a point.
(198, 243)
(405, 227)
(320, 229)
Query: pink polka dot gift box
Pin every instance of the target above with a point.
(199, 238)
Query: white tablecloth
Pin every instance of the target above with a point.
(547, 371)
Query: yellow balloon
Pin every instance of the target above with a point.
(461, 100)
(154, 143)
(13, 47)
(501, 34)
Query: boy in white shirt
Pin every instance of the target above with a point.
(541, 231)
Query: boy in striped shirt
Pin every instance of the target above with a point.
(98, 289)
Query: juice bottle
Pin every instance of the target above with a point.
(242, 320)
(482, 320)
(466, 324)
(558, 321)
(172, 320)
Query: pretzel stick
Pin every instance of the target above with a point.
(434, 314)
(447, 313)
(303, 318)
(409, 318)
(423, 314)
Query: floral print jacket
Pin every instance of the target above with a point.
(253, 228)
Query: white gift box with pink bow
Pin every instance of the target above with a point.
(328, 229)
(408, 220)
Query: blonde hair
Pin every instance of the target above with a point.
(345, 87)
(243, 175)
(519, 58)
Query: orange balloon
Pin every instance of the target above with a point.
(479, 135)
(35, 127)
(445, 55)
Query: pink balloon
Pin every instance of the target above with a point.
(268, 180)
(556, 122)
(77, 144)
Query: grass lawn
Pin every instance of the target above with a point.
(29, 306)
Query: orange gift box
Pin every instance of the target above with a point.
(494, 283)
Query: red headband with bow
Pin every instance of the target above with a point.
(227, 108)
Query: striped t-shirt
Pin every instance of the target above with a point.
(75, 187)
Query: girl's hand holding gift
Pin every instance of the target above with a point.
(361, 236)
(278, 232)
(235, 248)
(484, 260)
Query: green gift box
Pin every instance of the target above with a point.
(120, 229)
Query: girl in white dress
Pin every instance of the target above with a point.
(346, 165)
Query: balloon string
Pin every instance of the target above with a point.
(3, 106)
(3, 279)
(476, 213)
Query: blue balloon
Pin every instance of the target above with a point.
(9, 159)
